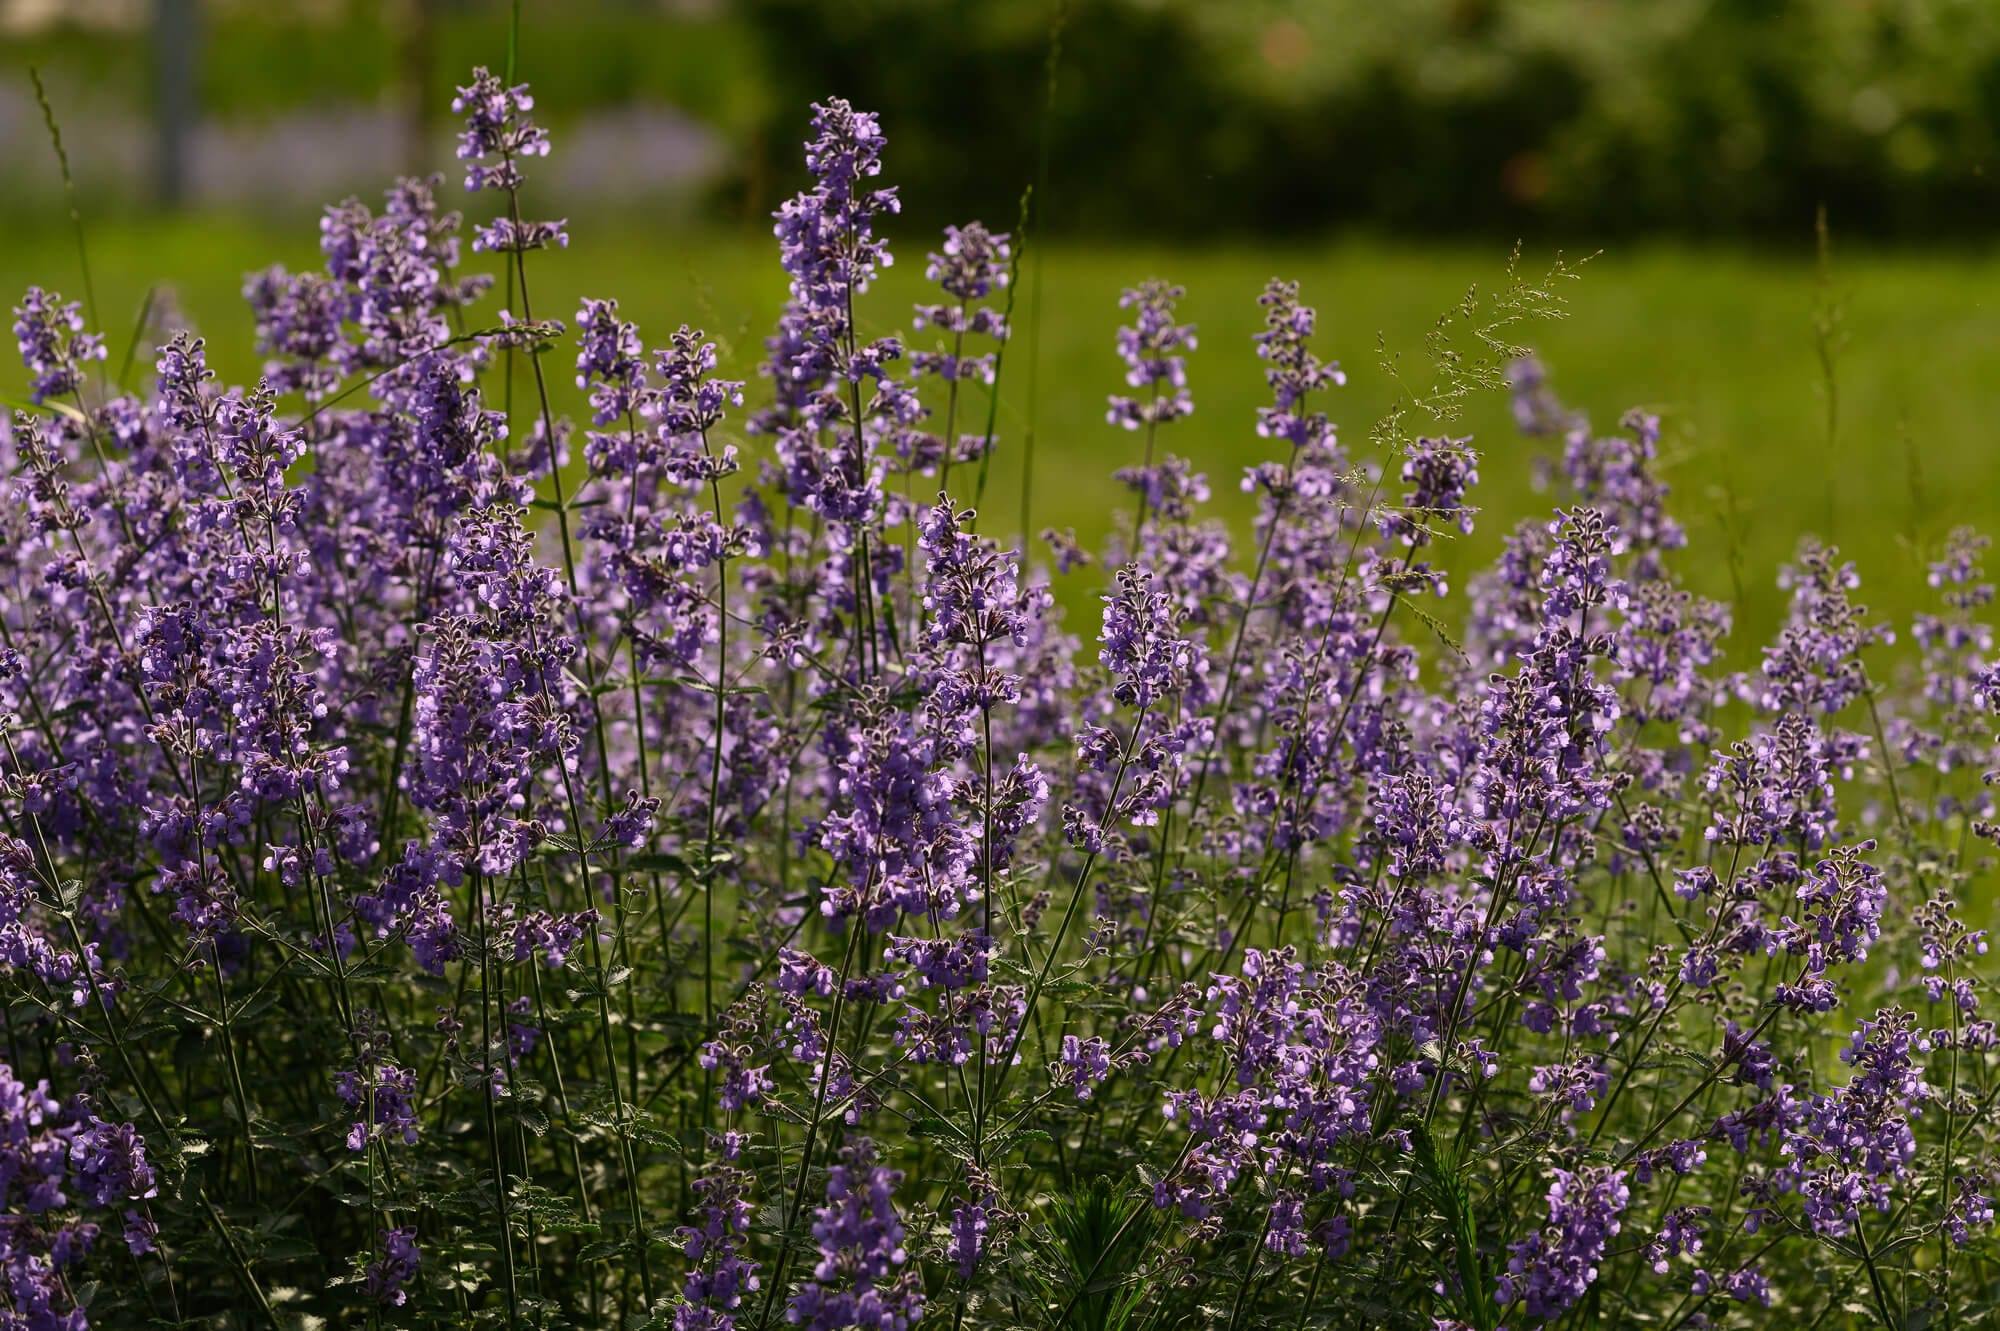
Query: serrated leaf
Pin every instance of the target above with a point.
(1689, 1057)
(287, 1250)
(930, 1125)
(601, 1250)
(529, 1117)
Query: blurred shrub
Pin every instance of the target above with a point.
(1192, 118)
(264, 57)
(1565, 116)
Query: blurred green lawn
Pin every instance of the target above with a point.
(1720, 343)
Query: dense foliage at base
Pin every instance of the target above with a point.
(466, 868)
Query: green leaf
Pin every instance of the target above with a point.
(929, 1125)
(1089, 1256)
(1439, 1180)
(601, 1250)
(529, 1117)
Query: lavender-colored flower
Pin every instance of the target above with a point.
(1841, 904)
(1682, 1231)
(1171, 491)
(28, 943)
(827, 239)
(386, 1095)
(1849, 1149)
(1776, 789)
(1553, 1268)
(1142, 644)
(1744, 1285)
(719, 1275)
(298, 323)
(968, 1238)
(1970, 1209)
(972, 267)
(1294, 373)
(1084, 1064)
(53, 344)
(973, 594)
(741, 1083)
(945, 963)
(1536, 410)
(891, 826)
(974, 264)
(386, 1277)
(1577, 1085)
(609, 362)
(1577, 573)
(496, 127)
(57, 1163)
(862, 1278)
(828, 246)
(482, 712)
(497, 135)
(555, 936)
(109, 1160)
(1615, 474)
(1419, 823)
(503, 235)
(1439, 472)
(1815, 666)
(632, 825)
(690, 402)
(1151, 349)
(141, 1234)
(1668, 637)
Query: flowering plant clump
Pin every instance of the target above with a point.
(461, 866)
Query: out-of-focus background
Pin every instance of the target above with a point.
(1387, 155)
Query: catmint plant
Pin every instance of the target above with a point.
(461, 866)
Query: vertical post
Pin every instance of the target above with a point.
(416, 58)
(175, 37)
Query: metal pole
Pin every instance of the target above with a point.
(175, 38)
(416, 57)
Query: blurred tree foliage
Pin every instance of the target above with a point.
(1194, 118)
(1580, 117)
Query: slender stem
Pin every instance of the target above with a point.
(1041, 979)
(229, 1044)
(486, 1094)
(69, 192)
(715, 764)
(1889, 1319)
(236, 1259)
(1249, 1269)
(798, 1197)
(1722, 1064)
(987, 889)
(638, 1218)
(951, 404)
